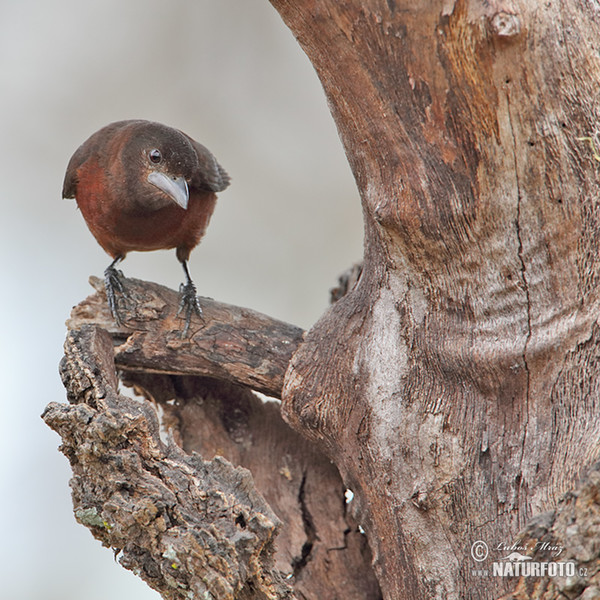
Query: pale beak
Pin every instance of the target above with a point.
(175, 187)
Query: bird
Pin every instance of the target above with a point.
(143, 186)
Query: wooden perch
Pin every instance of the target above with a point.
(231, 343)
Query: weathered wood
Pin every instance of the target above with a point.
(190, 528)
(318, 550)
(230, 343)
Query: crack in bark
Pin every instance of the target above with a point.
(525, 287)
(494, 519)
(561, 28)
(299, 562)
(346, 533)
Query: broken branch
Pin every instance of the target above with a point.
(229, 343)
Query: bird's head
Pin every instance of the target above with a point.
(165, 163)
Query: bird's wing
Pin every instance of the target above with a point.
(210, 174)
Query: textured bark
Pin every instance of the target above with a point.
(190, 528)
(319, 549)
(457, 386)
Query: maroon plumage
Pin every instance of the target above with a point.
(145, 186)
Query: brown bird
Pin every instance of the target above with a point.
(145, 186)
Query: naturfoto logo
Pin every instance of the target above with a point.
(516, 560)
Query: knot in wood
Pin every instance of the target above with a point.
(506, 24)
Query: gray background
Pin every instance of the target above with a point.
(229, 74)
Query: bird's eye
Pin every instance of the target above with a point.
(155, 156)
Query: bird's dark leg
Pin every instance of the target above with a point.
(113, 280)
(188, 301)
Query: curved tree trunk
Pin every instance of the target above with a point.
(455, 387)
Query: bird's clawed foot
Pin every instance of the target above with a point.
(189, 304)
(113, 282)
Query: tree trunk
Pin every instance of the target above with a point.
(455, 387)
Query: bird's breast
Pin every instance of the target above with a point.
(121, 225)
